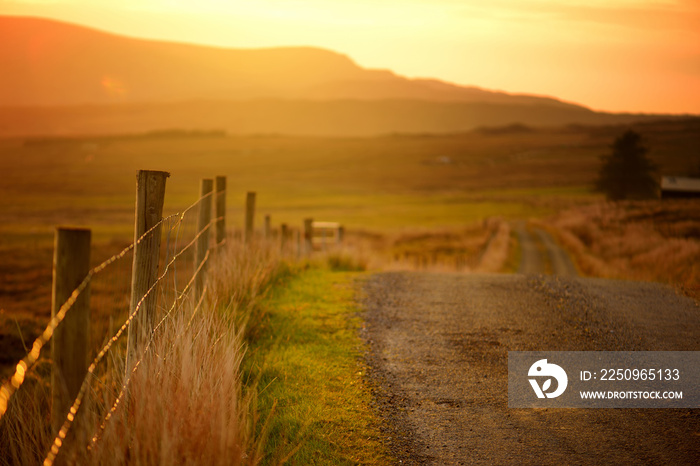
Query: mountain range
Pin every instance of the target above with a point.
(59, 78)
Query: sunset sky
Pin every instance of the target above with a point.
(615, 55)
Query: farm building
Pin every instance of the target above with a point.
(675, 187)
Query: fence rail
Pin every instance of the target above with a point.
(169, 267)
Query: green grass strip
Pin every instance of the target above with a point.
(314, 403)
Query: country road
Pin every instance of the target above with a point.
(438, 355)
(540, 254)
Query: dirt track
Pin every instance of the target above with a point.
(540, 254)
(439, 345)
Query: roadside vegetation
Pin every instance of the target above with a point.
(187, 403)
(308, 360)
(481, 246)
(638, 240)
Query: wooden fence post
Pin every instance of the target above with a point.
(150, 196)
(308, 235)
(220, 210)
(341, 234)
(283, 237)
(70, 343)
(249, 216)
(268, 228)
(202, 245)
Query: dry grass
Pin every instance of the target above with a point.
(652, 240)
(497, 251)
(478, 246)
(186, 402)
(25, 432)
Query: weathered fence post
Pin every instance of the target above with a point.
(202, 245)
(298, 235)
(220, 210)
(283, 236)
(69, 346)
(150, 195)
(308, 235)
(341, 234)
(249, 216)
(268, 229)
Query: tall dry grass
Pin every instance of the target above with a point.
(643, 240)
(479, 246)
(186, 403)
(25, 430)
(496, 252)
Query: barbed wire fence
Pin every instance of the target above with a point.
(161, 274)
(169, 259)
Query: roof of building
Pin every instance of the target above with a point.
(680, 183)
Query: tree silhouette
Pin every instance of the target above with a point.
(627, 173)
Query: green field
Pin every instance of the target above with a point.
(387, 182)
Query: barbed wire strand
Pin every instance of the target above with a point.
(58, 440)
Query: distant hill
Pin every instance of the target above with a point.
(54, 63)
(98, 82)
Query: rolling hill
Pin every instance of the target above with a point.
(60, 78)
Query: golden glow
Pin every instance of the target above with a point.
(618, 55)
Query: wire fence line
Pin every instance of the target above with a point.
(166, 274)
(179, 234)
(70, 417)
(17, 379)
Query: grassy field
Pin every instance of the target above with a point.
(399, 186)
(386, 182)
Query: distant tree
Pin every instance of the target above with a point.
(627, 173)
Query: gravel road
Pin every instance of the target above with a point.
(438, 357)
(541, 254)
